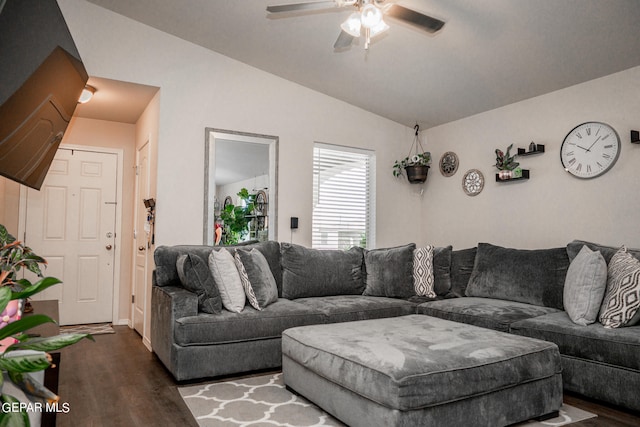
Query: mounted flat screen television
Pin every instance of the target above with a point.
(42, 77)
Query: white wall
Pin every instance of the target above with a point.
(203, 89)
(553, 207)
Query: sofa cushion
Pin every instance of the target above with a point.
(530, 276)
(486, 312)
(225, 274)
(607, 252)
(259, 275)
(314, 273)
(442, 269)
(165, 258)
(196, 277)
(616, 347)
(246, 284)
(621, 303)
(389, 272)
(347, 308)
(251, 324)
(423, 271)
(584, 286)
(462, 262)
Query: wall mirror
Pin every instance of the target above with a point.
(236, 160)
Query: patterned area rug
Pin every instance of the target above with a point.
(264, 400)
(93, 329)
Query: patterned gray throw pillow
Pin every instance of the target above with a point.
(423, 280)
(621, 304)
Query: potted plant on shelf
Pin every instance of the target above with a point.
(507, 165)
(235, 218)
(416, 166)
(20, 353)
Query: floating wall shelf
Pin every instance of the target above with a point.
(539, 150)
(525, 176)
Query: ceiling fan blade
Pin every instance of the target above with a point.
(295, 7)
(414, 18)
(344, 40)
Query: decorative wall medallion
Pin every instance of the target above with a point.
(449, 163)
(473, 182)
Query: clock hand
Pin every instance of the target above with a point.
(585, 149)
(594, 143)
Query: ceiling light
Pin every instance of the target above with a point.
(371, 16)
(352, 25)
(87, 94)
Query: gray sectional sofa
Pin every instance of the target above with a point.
(509, 290)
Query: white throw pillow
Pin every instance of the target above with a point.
(423, 280)
(225, 274)
(584, 286)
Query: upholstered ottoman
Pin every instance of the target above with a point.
(418, 370)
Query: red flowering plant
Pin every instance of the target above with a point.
(21, 353)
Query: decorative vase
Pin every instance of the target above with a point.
(505, 174)
(417, 173)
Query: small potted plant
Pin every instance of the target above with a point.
(416, 166)
(506, 164)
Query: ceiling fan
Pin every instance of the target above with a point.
(367, 20)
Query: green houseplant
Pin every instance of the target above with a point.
(506, 163)
(235, 218)
(22, 354)
(415, 166)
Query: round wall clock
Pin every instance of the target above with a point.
(448, 163)
(590, 150)
(473, 182)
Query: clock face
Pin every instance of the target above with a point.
(590, 150)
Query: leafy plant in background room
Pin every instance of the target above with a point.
(23, 354)
(234, 218)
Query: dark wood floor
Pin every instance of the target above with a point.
(116, 381)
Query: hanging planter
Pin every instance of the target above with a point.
(417, 174)
(416, 165)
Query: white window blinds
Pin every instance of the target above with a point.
(343, 197)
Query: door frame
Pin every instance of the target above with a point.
(22, 218)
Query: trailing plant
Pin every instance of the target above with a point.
(506, 161)
(19, 364)
(421, 159)
(235, 218)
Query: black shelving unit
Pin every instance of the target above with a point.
(539, 150)
(525, 176)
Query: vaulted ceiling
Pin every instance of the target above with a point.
(489, 54)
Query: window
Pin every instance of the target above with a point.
(343, 197)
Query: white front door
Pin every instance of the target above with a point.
(142, 240)
(71, 223)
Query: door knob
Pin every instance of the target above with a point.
(141, 248)
(109, 247)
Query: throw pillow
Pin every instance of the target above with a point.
(259, 275)
(442, 269)
(224, 271)
(246, 283)
(196, 277)
(621, 303)
(584, 286)
(315, 273)
(389, 272)
(423, 281)
(462, 262)
(529, 276)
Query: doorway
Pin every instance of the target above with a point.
(72, 222)
(143, 236)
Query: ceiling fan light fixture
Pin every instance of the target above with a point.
(380, 28)
(371, 16)
(352, 25)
